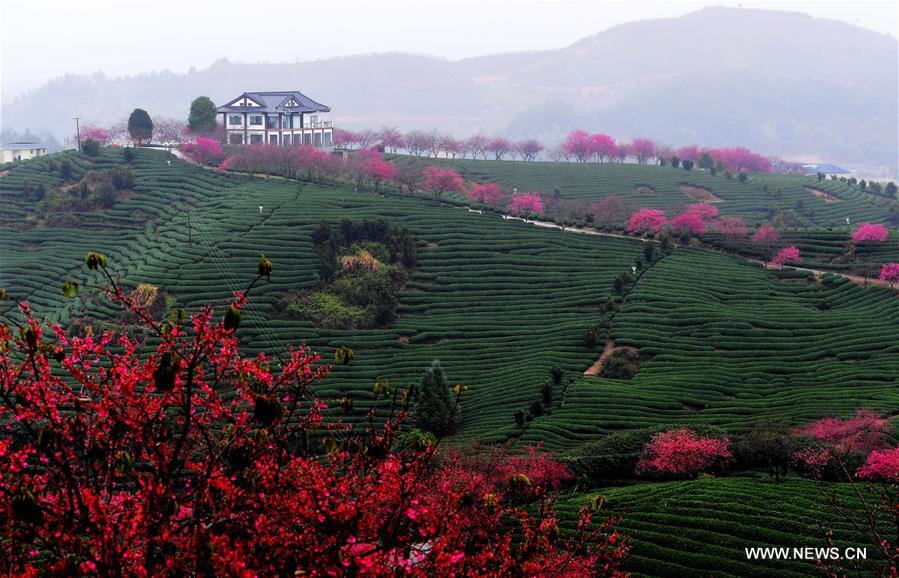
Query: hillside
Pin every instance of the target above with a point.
(720, 341)
(807, 89)
(810, 203)
(529, 293)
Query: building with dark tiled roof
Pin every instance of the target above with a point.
(286, 117)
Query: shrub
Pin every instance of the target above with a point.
(65, 169)
(769, 445)
(611, 457)
(687, 164)
(90, 147)
(106, 195)
(621, 364)
(536, 408)
(129, 154)
(520, 417)
(122, 178)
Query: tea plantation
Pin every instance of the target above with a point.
(721, 341)
(660, 188)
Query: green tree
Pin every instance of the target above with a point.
(706, 161)
(90, 147)
(202, 116)
(434, 410)
(890, 189)
(140, 126)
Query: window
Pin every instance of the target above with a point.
(272, 139)
(236, 120)
(256, 119)
(313, 119)
(285, 140)
(255, 138)
(328, 139)
(235, 139)
(285, 121)
(307, 138)
(318, 140)
(271, 121)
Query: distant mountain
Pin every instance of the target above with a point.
(779, 82)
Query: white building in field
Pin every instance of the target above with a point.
(17, 151)
(282, 118)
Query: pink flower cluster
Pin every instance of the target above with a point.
(683, 452)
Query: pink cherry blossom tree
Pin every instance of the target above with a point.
(343, 138)
(682, 452)
(688, 224)
(391, 139)
(731, 227)
(602, 146)
(498, 147)
(704, 211)
(868, 233)
(525, 204)
(890, 274)
(765, 238)
(647, 221)
(643, 150)
(476, 145)
(881, 465)
(101, 135)
(489, 193)
(787, 255)
(529, 149)
(439, 181)
(612, 210)
(203, 151)
(577, 145)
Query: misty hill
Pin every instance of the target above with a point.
(779, 82)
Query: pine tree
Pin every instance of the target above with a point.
(202, 119)
(434, 411)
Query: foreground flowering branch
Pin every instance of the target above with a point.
(120, 458)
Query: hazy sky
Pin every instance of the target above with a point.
(42, 39)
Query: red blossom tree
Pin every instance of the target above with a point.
(890, 274)
(529, 149)
(881, 465)
(602, 146)
(101, 135)
(577, 145)
(732, 227)
(391, 139)
(765, 238)
(643, 150)
(787, 255)
(342, 138)
(440, 181)
(682, 452)
(861, 433)
(647, 221)
(203, 151)
(612, 210)
(869, 233)
(489, 193)
(498, 147)
(526, 203)
(705, 211)
(688, 223)
(181, 457)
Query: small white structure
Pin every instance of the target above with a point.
(282, 118)
(18, 151)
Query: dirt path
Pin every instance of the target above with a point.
(597, 365)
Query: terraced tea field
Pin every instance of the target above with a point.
(496, 301)
(819, 204)
(701, 527)
(730, 344)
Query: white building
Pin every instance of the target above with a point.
(17, 151)
(282, 118)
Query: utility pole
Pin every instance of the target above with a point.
(77, 120)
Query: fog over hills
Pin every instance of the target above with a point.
(779, 82)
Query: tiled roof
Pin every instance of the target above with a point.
(275, 102)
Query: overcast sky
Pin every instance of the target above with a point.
(43, 39)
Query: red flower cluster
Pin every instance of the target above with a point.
(186, 458)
